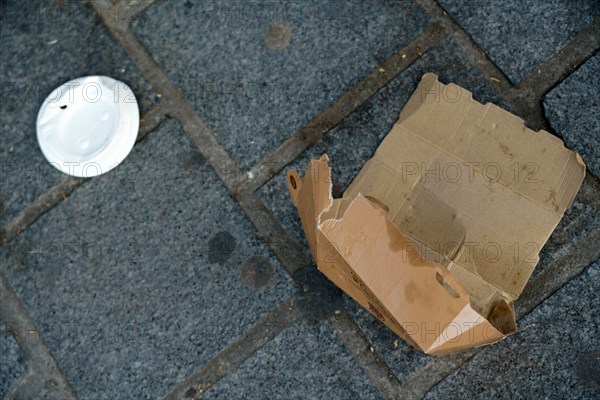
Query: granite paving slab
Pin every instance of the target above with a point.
(573, 109)
(145, 273)
(521, 35)
(13, 360)
(304, 361)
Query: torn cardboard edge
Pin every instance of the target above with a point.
(410, 239)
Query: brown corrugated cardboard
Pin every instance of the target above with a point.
(441, 229)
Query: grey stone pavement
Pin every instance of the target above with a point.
(184, 273)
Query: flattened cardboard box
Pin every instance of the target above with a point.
(440, 230)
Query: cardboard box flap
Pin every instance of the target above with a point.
(454, 173)
(311, 196)
(427, 301)
(367, 257)
(313, 199)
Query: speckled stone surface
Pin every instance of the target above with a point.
(521, 35)
(573, 109)
(555, 355)
(138, 278)
(259, 71)
(582, 218)
(402, 358)
(13, 361)
(355, 140)
(44, 46)
(302, 362)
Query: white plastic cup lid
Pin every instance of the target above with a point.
(87, 126)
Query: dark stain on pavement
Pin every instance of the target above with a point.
(220, 247)
(192, 159)
(278, 36)
(588, 369)
(256, 272)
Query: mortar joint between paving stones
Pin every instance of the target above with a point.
(43, 373)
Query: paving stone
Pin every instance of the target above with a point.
(521, 35)
(553, 356)
(582, 218)
(45, 44)
(573, 109)
(13, 362)
(138, 277)
(303, 362)
(257, 72)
